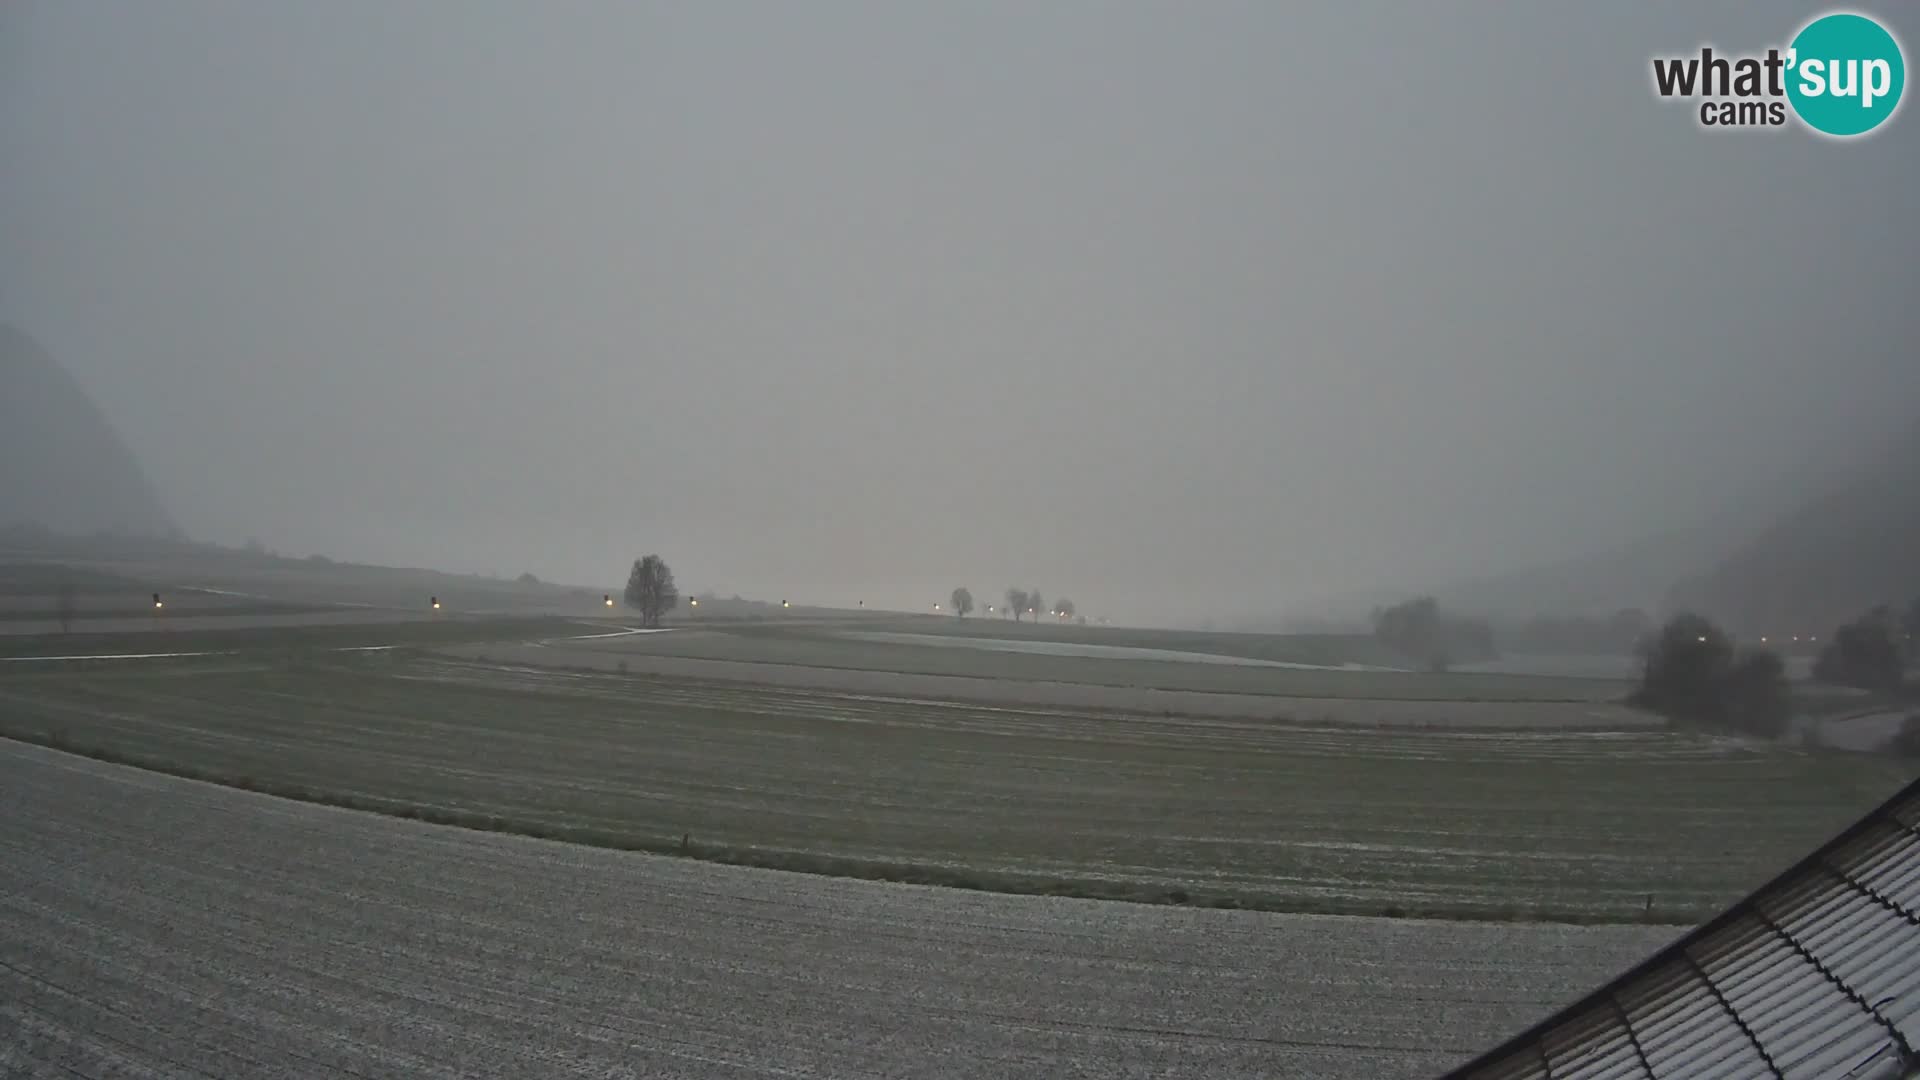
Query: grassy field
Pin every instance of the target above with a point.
(239, 637)
(1332, 649)
(830, 646)
(178, 571)
(1578, 827)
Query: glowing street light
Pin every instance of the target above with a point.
(693, 601)
(435, 601)
(157, 605)
(607, 599)
(784, 604)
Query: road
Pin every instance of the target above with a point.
(151, 926)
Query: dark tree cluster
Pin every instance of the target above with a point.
(1416, 628)
(1869, 653)
(1692, 674)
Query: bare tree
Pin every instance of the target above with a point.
(1016, 602)
(63, 605)
(1035, 604)
(1064, 608)
(650, 589)
(962, 602)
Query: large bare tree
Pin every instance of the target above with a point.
(650, 589)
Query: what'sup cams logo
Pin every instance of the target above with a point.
(1841, 75)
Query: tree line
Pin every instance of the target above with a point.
(1418, 629)
(1692, 672)
(1019, 603)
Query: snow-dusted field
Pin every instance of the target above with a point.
(151, 926)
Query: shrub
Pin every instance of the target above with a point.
(1906, 742)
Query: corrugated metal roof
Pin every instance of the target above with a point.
(1817, 974)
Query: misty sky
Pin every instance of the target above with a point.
(1181, 310)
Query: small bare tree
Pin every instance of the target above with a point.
(1016, 602)
(962, 602)
(63, 605)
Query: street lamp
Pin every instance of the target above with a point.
(607, 599)
(157, 605)
(784, 604)
(693, 602)
(435, 601)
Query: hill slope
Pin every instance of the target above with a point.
(66, 467)
(1637, 574)
(1853, 547)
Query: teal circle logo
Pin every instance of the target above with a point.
(1845, 74)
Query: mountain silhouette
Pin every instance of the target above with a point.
(66, 468)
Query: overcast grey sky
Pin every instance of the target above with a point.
(1170, 308)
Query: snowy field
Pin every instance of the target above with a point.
(151, 926)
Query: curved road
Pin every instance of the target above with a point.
(151, 926)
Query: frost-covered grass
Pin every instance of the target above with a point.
(1563, 825)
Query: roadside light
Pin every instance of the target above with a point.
(435, 601)
(1763, 640)
(693, 601)
(607, 599)
(1813, 637)
(157, 605)
(936, 607)
(1703, 637)
(783, 603)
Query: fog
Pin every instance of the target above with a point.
(1184, 311)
